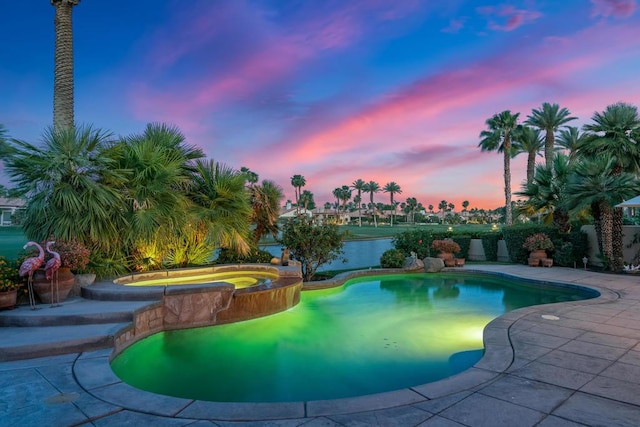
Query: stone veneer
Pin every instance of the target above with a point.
(190, 306)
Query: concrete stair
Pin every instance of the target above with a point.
(75, 326)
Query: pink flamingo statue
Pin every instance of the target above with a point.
(28, 267)
(51, 270)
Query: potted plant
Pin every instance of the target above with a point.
(10, 282)
(74, 257)
(446, 249)
(538, 244)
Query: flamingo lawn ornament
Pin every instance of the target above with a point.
(28, 267)
(51, 271)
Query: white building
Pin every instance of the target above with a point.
(8, 208)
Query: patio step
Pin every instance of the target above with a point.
(30, 342)
(72, 312)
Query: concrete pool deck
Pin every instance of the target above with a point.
(567, 364)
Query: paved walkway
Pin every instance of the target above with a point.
(567, 364)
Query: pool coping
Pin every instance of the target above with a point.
(93, 373)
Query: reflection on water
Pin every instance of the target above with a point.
(373, 334)
(359, 254)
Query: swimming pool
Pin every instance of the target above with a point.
(371, 335)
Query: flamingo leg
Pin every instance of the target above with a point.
(57, 290)
(32, 298)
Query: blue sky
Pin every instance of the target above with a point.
(380, 90)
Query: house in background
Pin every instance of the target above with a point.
(8, 208)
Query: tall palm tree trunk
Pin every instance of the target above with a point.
(617, 248)
(607, 233)
(531, 166)
(63, 115)
(549, 142)
(507, 183)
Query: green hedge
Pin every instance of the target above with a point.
(568, 249)
(490, 244)
(464, 241)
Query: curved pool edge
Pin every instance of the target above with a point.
(498, 358)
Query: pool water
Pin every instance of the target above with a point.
(240, 279)
(373, 334)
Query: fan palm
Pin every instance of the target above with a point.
(549, 118)
(392, 188)
(306, 199)
(222, 208)
(71, 182)
(546, 195)
(265, 203)
(614, 132)
(593, 186)
(498, 138)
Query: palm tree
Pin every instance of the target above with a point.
(73, 186)
(306, 199)
(593, 186)
(615, 133)
(337, 193)
(443, 207)
(549, 118)
(63, 73)
(265, 203)
(298, 181)
(250, 176)
(546, 195)
(412, 205)
(528, 140)
(344, 195)
(392, 188)
(221, 206)
(358, 185)
(498, 138)
(372, 187)
(570, 139)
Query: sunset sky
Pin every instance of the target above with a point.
(383, 90)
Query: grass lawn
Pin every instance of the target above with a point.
(371, 232)
(12, 240)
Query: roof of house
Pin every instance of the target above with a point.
(12, 203)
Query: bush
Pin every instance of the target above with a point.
(490, 245)
(311, 244)
(392, 258)
(464, 242)
(564, 255)
(445, 246)
(417, 241)
(256, 256)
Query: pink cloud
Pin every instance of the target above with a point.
(506, 17)
(454, 26)
(615, 8)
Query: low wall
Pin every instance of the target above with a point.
(190, 306)
(628, 233)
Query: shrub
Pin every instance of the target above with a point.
(464, 241)
(417, 241)
(311, 244)
(392, 258)
(538, 241)
(259, 256)
(9, 275)
(490, 245)
(445, 246)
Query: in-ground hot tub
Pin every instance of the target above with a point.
(250, 275)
